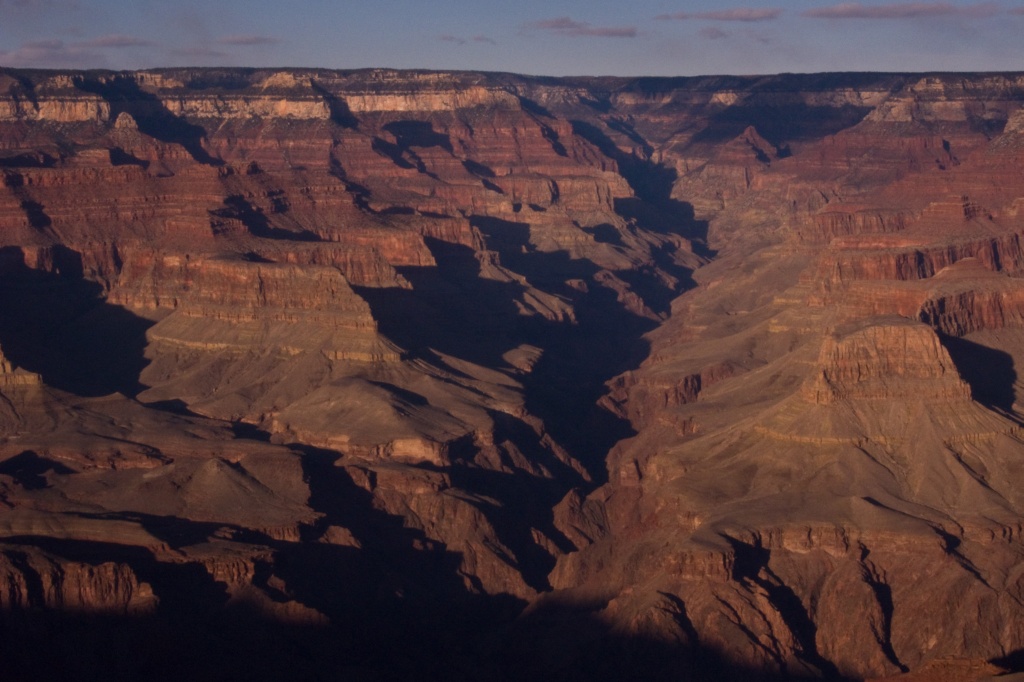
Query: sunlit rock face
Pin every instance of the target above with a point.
(460, 375)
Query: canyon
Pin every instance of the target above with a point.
(379, 374)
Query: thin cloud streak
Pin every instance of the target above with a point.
(41, 4)
(51, 53)
(737, 14)
(52, 44)
(248, 40)
(902, 10)
(116, 40)
(458, 40)
(567, 27)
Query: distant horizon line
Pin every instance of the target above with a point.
(361, 69)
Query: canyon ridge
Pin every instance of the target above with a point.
(378, 374)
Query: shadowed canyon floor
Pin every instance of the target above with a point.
(387, 375)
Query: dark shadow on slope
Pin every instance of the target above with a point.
(551, 135)
(484, 173)
(393, 152)
(57, 324)
(37, 217)
(540, 113)
(600, 102)
(515, 433)
(23, 87)
(240, 642)
(510, 239)
(650, 181)
(568, 642)
(883, 595)
(515, 502)
(649, 284)
(398, 585)
(119, 157)
(605, 234)
(410, 134)
(340, 113)
(29, 470)
(453, 310)
(186, 590)
(35, 213)
(478, 169)
(989, 372)
(569, 379)
(256, 222)
(417, 134)
(33, 159)
(398, 608)
(395, 584)
(534, 107)
(653, 208)
(751, 566)
(780, 123)
(393, 597)
(360, 194)
(518, 510)
(174, 406)
(1013, 662)
(123, 94)
(404, 395)
(449, 309)
(625, 128)
(400, 577)
(607, 339)
(13, 180)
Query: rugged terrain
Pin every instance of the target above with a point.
(413, 375)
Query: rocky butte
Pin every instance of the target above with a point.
(378, 375)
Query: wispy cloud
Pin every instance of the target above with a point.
(55, 53)
(902, 10)
(52, 53)
(248, 40)
(42, 4)
(567, 27)
(114, 40)
(459, 40)
(1017, 10)
(737, 14)
(712, 33)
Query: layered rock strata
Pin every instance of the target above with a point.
(699, 378)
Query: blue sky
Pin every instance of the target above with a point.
(550, 37)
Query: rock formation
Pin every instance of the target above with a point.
(417, 375)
